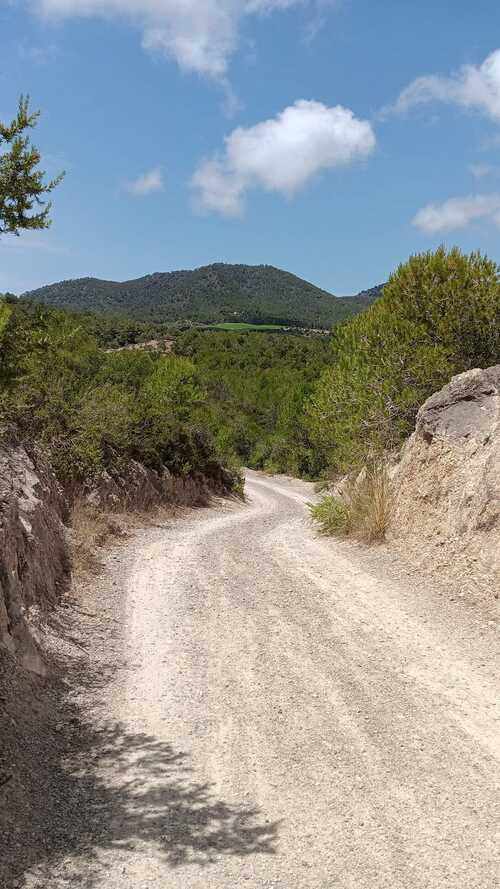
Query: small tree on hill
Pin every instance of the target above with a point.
(22, 184)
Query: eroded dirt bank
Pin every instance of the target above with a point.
(262, 707)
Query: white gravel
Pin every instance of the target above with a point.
(286, 712)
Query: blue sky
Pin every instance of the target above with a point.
(328, 138)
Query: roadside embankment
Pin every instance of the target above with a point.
(38, 542)
(446, 488)
(51, 542)
(34, 552)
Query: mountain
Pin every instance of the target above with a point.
(211, 294)
(371, 294)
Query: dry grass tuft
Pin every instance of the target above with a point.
(91, 530)
(363, 512)
(370, 504)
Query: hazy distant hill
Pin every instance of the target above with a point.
(209, 294)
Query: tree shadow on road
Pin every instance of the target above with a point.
(83, 793)
(116, 791)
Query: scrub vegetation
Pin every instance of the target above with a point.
(91, 409)
(364, 509)
(439, 315)
(257, 387)
(311, 406)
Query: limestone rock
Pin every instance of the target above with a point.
(446, 513)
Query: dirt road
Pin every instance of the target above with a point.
(285, 714)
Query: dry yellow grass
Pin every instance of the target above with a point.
(370, 504)
(363, 511)
(91, 530)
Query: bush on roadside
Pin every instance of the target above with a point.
(363, 511)
(439, 315)
(332, 516)
(91, 531)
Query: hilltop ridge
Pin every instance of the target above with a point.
(209, 294)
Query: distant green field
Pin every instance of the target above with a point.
(241, 325)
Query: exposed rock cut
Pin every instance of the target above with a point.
(446, 515)
(34, 555)
(35, 558)
(137, 487)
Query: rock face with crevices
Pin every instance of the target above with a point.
(136, 487)
(34, 555)
(446, 516)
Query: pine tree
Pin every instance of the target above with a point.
(22, 184)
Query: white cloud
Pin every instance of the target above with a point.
(217, 188)
(147, 183)
(472, 87)
(282, 154)
(458, 213)
(201, 35)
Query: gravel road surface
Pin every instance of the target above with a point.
(284, 713)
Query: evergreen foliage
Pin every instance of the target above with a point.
(116, 331)
(22, 184)
(439, 315)
(306, 405)
(331, 515)
(257, 385)
(93, 410)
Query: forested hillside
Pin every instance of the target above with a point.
(211, 294)
(257, 388)
(92, 410)
(310, 406)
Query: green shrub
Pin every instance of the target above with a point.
(93, 410)
(456, 300)
(5, 313)
(332, 515)
(439, 315)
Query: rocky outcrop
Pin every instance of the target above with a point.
(34, 555)
(138, 488)
(446, 514)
